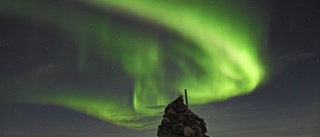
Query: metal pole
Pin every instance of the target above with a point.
(186, 96)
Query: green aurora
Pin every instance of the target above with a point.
(215, 50)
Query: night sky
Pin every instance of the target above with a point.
(77, 68)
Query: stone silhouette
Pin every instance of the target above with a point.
(180, 121)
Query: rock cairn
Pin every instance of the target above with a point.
(180, 121)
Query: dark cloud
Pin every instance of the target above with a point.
(298, 57)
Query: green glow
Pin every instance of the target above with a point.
(215, 49)
(230, 59)
(98, 105)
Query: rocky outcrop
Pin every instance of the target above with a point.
(179, 121)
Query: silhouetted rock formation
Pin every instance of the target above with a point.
(179, 121)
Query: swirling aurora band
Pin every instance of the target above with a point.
(215, 52)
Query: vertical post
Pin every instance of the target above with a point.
(186, 96)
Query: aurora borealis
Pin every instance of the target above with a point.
(225, 53)
(122, 62)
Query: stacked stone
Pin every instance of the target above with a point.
(179, 121)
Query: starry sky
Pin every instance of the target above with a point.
(108, 68)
